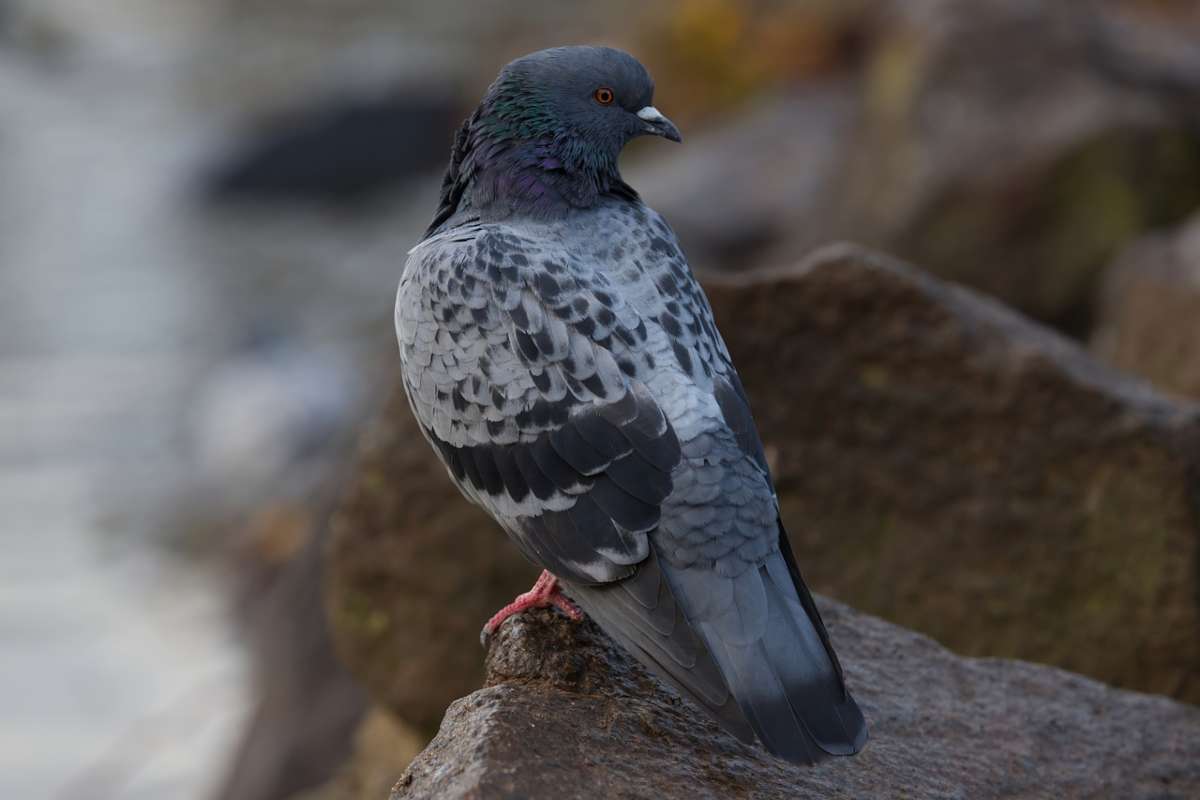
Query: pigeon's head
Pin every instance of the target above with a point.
(547, 136)
(587, 101)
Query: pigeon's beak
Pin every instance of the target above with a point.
(658, 125)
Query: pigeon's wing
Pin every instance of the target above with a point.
(735, 411)
(720, 544)
(733, 571)
(516, 376)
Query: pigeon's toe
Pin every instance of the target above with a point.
(544, 594)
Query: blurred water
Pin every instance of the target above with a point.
(119, 674)
(100, 645)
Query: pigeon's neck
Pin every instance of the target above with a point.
(535, 178)
(504, 167)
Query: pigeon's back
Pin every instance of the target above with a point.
(570, 376)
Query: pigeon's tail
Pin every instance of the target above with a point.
(771, 646)
(642, 615)
(751, 649)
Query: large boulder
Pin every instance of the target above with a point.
(567, 714)
(951, 466)
(1149, 313)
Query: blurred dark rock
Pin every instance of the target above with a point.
(381, 745)
(1149, 312)
(567, 714)
(954, 467)
(271, 429)
(345, 151)
(34, 35)
(414, 573)
(767, 180)
(308, 707)
(1153, 46)
(990, 142)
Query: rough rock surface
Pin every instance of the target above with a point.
(1149, 316)
(567, 714)
(951, 466)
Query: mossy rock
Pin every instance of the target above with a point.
(1149, 313)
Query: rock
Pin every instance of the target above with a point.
(342, 151)
(380, 744)
(1155, 47)
(414, 572)
(1149, 312)
(567, 714)
(780, 162)
(306, 705)
(953, 467)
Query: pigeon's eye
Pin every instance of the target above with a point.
(603, 96)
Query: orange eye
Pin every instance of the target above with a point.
(604, 96)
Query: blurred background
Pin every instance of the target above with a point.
(204, 211)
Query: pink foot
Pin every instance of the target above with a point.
(545, 593)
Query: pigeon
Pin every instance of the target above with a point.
(563, 362)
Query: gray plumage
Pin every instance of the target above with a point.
(563, 362)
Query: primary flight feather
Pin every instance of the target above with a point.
(563, 362)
